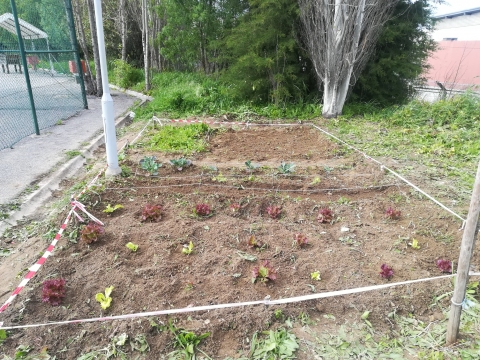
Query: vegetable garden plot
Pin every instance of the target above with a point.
(222, 231)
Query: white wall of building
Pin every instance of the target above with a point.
(463, 28)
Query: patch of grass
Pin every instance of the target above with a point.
(185, 94)
(186, 139)
(409, 338)
(443, 137)
(72, 153)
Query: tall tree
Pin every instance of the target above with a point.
(96, 55)
(264, 55)
(400, 55)
(340, 36)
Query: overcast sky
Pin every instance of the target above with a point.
(456, 5)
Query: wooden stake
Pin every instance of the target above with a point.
(468, 243)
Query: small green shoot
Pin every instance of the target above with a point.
(414, 244)
(104, 299)
(365, 316)
(109, 209)
(315, 276)
(132, 246)
(188, 249)
(316, 181)
(286, 168)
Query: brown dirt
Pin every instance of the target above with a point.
(348, 252)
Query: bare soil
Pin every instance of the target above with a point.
(347, 252)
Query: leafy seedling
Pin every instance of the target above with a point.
(132, 246)
(149, 163)
(264, 272)
(444, 265)
(274, 211)
(186, 342)
(279, 344)
(286, 168)
(392, 214)
(251, 166)
(315, 276)
(53, 291)
(325, 215)
(188, 249)
(91, 232)
(254, 243)
(235, 208)
(386, 271)
(104, 299)
(300, 240)
(414, 244)
(109, 209)
(152, 213)
(202, 210)
(180, 163)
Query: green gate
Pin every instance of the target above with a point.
(41, 80)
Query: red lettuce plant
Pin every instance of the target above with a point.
(325, 215)
(386, 271)
(202, 210)
(274, 211)
(264, 272)
(152, 213)
(393, 214)
(444, 265)
(254, 243)
(235, 207)
(91, 232)
(53, 291)
(300, 239)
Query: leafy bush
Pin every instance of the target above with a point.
(126, 75)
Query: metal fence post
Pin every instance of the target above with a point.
(73, 40)
(25, 65)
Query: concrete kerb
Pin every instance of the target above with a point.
(35, 200)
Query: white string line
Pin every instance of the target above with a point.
(393, 172)
(234, 305)
(255, 188)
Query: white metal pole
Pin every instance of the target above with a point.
(107, 102)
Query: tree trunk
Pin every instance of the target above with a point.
(96, 56)
(123, 28)
(340, 37)
(145, 41)
(90, 86)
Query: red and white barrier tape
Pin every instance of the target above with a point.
(233, 305)
(34, 268)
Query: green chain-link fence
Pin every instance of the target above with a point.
(39, 81)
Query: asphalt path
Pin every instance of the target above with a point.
(35, 157)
